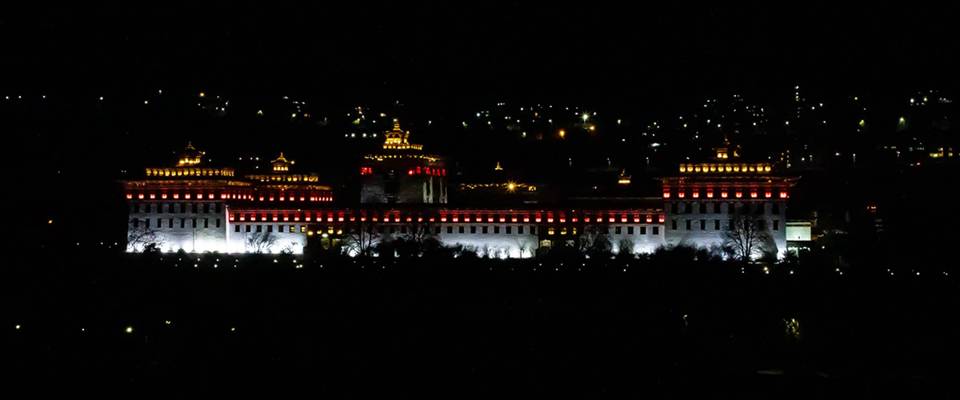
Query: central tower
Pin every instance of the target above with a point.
(402, 173)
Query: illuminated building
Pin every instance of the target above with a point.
(198, 208)
(189, 207)
(703, 201)
(402, 173)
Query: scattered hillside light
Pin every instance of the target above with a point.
(101, 98)
(233, 329)
(128, 330)
(146, 102)
(585, 117)
(202, 94)
(16, 327)
(167, 322)
(562, 133)
(49, 222)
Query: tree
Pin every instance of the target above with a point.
(261, 241)
(625, 248)
(745, 240)
(595, 242)
(362, 241)
(141, 238)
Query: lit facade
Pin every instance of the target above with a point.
(402, 173)
(284, 211)
(703, 202)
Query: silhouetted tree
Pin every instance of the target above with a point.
(261, 241)
(362, 241)
(139, 236)
(746, 240)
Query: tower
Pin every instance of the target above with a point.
(709, 200)
(402, 173)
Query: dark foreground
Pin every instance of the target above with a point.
(130, 326)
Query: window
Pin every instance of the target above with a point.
(247, 228)
(194, 222)
(688, 225)
(656, 230)
(703, 224)
(449, 229)
(206, 208)
(673, 224)
(183, 223)
(216, 208)
(146, 223)
(519, 229)
(643, 230)
(730, 224)
(473, 229)
(776, 225)
(460, 229)
(218, 222)
(303, 228)
(484, 229)
(437, 230)
(496, 229)
(293, 229)
(509, 229)
(673, 208)
(393, 229)
(533, 230)
(629, 230)
(236, 228)
(761, 224)
(206, 222)
(170, 223)
(194, 208)
(259, 228)
(716, 224)
(703, 208)
(775, 208)
(618, 230)
(269, 228)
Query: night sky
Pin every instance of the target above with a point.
(651, 56)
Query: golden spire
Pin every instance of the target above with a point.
(623, 179)
(281, 164)
(190, 156)
(397, 139)
(498, 167)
